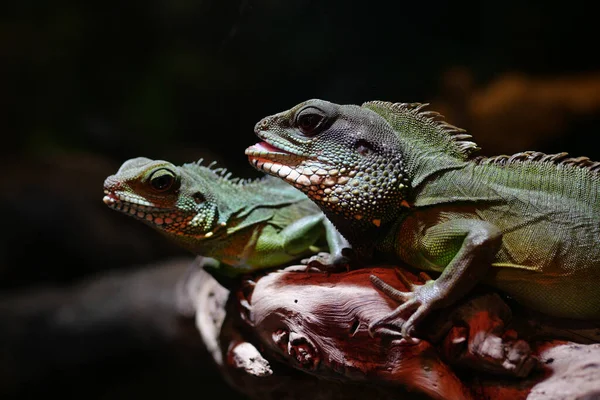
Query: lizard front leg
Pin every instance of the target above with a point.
(338, 254)
(302, 234)
(470, 245)
(297, 239)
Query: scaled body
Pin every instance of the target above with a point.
(401, 184)
(245, 225)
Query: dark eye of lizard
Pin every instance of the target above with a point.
(162, 180)
(309, 121)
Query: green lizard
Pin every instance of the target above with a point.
(242, 225)
(401, 184)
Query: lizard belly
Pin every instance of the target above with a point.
(576, 296)
(551, 265)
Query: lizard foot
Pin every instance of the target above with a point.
(326, 262)
(420, 300)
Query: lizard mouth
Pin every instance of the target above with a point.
(288, 166)
(137, 207)
(315, 178)
(164, 218)
(268, 152)
(117, 199)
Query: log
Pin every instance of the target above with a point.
(304, 335)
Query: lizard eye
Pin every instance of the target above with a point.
(309, 121)
(162, 180)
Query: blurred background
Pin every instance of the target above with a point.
(87, 85)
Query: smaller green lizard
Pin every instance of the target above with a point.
(242, 225)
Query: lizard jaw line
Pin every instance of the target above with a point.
(278, 162)
(113, 197)
(321, 183)
(270, 146)
(324, 184)
(147, 212)
(273, 166)
(269, 151)
(109, 200)
(138, 208)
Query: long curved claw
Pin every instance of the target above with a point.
(409, 326)
(391, 316)
(387, 332)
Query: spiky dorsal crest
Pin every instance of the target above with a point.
(536, 156)
(464, 146)
(456, 138)
(220, 172)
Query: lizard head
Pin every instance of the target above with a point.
(344, 157)
(165, 196)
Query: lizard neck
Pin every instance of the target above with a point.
(422, 139)
(424, 166)
(240, 204)
(370, 244)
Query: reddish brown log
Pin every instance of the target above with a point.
(316, 324)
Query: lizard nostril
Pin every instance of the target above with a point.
(111, 183)
(262, 125)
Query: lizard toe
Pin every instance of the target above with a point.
(390, 291)
(392, 318)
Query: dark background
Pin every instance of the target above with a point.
(86, 85)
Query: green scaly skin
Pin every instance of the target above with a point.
(243, 225)
(403, 185)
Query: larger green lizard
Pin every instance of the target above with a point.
(244, 225)
(400, 182)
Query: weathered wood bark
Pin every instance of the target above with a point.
(301, 335)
